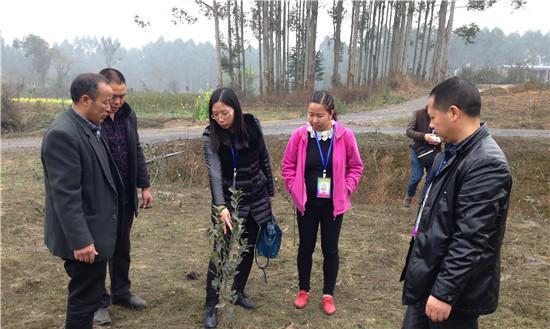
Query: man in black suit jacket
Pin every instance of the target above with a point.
(120, 131)
(82, 185)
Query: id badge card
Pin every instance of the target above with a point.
(323, 188)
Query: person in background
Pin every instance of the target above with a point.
(82, 190)
(120, 130)
(424, 145)
(236, 156)
(321, 168)
(452, 270)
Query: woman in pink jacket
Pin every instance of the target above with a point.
(321, 168)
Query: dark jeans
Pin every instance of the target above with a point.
(417, 171)
(239, 283)
(416, 318)
(85, 286)
(308, 225)
(119, 264)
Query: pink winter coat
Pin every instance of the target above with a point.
(347, 168)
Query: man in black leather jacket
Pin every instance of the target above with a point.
(452, 271)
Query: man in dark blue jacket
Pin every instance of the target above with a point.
(452, 272)
(120, 130)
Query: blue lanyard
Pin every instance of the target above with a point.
(441, 164)
(419, 215)
(323, 160)
(234, 158)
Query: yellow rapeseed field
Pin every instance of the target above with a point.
(42, 100)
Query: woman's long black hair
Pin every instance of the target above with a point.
(218, 135)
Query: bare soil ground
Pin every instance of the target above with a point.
(524, 106)
(520, 107)
(169, 242)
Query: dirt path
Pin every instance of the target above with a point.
(359, 122)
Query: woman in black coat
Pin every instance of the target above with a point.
(236, 154)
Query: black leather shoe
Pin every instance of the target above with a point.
(210, 317)
(134, 301)
(244, 301)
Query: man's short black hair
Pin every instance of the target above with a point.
(458, 92)
(86, 84)
(113, 75)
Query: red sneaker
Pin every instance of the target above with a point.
(301, 299)
(328, 305)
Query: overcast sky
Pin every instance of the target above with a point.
(58, 20)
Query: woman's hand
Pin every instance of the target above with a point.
(225, 216)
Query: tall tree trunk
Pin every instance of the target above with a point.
(424, 36)
(281, 41)
(362, 31)
(299, 46)
(303, 45)
(369, 36)
(387, 37)
(230, 46)
(216, 14)
(243, 53)
(428, 46)
(372, 43)
(338, 15)
(395, 37)
(448, 33)
(288, 48)
(278, 47)
(436, 61)
(266, 46)
(259, 5)
(401, 39)
(271, 22)
(287, 71)
(352, 51)
(313, 7)
(417, 35)
(237, 48)
(307, 44)
(377, 62)
(284, 36)
(410, 16)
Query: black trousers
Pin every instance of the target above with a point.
(239, 283)
(85, 287)
(308, 225)
(416, 318)
(119, 264)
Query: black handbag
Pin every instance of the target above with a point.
(426, 155)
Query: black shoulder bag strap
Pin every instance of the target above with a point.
(261, 267)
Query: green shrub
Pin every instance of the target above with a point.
(11, 118)
(386, 94)
(200, 107)
(227, 254)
